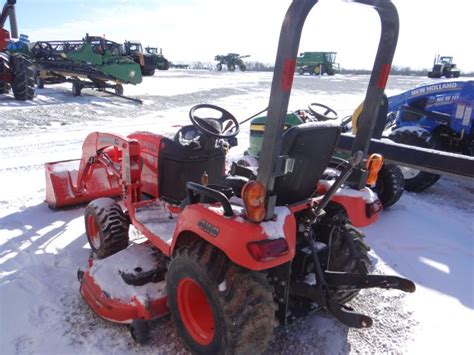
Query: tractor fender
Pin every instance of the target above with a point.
(362, 206)
(232, 235)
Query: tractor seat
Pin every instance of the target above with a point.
(178, 164)
(311, 145)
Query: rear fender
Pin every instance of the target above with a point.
(362, 206)
(357, 210)
(232, 234)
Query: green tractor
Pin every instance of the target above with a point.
(160, 61)
(389, 185)
(146, 61)
(317, 63)
(231, 60)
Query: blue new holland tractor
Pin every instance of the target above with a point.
(438, 116)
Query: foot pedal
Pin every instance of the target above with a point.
(347, 316)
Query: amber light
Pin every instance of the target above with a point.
(253, 194)
(374, 164)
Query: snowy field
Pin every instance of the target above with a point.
(426, 237)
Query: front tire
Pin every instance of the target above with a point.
(106, 227)
(217, 306)
(76, 89)
(231, 67)
(415, 180)
(23, 84)
(219, 67)
(390, 184)
(118, 89)
(140, 331)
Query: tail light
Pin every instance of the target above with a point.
(267, 249)
(374, 164)
(253, 194)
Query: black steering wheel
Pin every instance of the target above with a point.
(226, 126)
(322, 112)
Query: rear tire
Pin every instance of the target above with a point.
(23, 84)
(335, 230)
(4, 86)
(217, 306)
(415, 180)
(231, 67)
(242, 67)
(106, 227)
(390, 185)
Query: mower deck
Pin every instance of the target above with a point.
(126, 286)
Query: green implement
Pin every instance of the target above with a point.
(317, 63)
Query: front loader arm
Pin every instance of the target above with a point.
(93, 152)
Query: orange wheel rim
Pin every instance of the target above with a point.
(93, 231)
(195, 311)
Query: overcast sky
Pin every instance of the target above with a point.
(190, 30)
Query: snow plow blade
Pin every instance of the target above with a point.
(60, 189)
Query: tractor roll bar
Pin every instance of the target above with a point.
(290, 36)
(9, 11)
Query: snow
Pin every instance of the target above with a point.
(426, 237)
(222, 286)
(159, 220)
(367, 194)
(107, 274)
(418, 130)
(274, 229)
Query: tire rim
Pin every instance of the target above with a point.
(195, 311)
(93, 232)
(409, 173)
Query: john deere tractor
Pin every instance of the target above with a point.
(160, 61)
(146, 61)
(232, 60)
(443, 66)
(16, 72)
(317, 63)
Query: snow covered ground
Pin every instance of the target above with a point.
(427, 237)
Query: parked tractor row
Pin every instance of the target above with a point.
(149, 59)
(93, 62)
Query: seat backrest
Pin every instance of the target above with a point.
(311, 145)
(179, 165)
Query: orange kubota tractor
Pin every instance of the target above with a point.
(229, 257)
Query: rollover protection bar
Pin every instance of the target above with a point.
(270, 160)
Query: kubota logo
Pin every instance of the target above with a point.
(208, 228)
